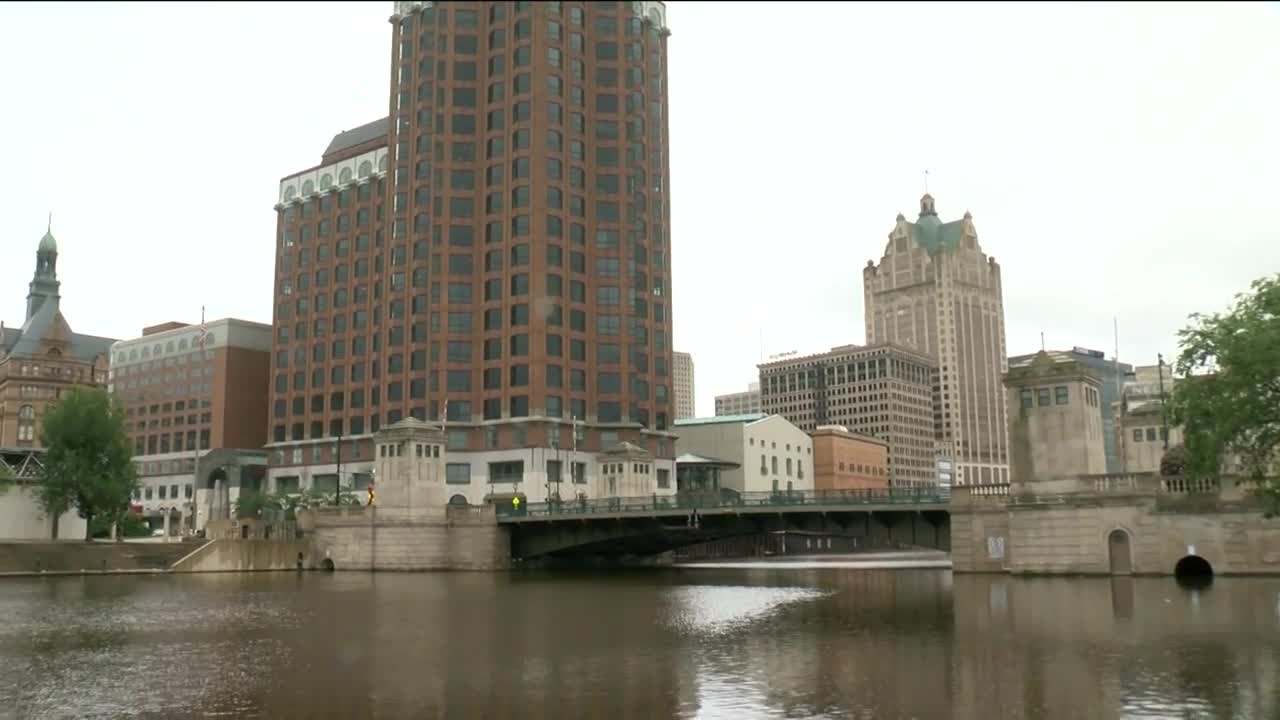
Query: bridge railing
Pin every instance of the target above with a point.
(780, 499)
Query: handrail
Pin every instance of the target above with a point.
(780, 498)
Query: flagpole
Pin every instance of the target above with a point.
(444, 447)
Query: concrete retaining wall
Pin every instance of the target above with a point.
(1065, 527)
(247, 556)
(467, 538)
(980, 536)
(72, 556)
(1074, 540)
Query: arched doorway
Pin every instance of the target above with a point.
(1118, 547)
(1193, 568)
(458, 499)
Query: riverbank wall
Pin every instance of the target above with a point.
(1135, 524)
(63, 557)
(385, 539)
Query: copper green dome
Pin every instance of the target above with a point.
(931, 233)
(47, 243)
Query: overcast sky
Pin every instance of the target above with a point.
(1120, 161)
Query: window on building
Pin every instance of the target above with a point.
(511, 471)
(1060, 395)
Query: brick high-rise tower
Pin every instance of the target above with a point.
(500, 242)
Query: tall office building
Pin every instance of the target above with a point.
(498, 247)
(686, 398)
(883, 391)
(188, 391)
(740, 403)
(935, 292)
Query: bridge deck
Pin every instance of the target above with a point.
(659, 506)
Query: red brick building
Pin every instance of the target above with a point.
(183, 399)
(500, 242)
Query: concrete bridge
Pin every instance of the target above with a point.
(657, 524)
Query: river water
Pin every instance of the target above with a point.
(758, 642)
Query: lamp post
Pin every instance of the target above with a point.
(337, 483)
(1164, 409)
(555, 443)
(573, 455)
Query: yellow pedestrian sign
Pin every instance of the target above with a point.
(515, 503)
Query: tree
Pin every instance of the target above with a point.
(87, 460)
(1174, 460)
(130, 526)
(1229, 399)
(253, 503)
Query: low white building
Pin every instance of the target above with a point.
(772, 453)
(22, 518)
(475, 477)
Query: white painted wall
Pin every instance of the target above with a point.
(744, 443)
(21, 518)
(532, 484)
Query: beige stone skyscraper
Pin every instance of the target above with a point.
(936, 292)
(682, 376)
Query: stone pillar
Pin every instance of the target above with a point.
(234, 480)
(409, 469)
(167, 514)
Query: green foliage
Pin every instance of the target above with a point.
(87, 460)
(6, 480)
(130, 525)
(1174, 460)
(1229, 401)
(253, 503)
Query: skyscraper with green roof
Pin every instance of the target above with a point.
(936, 292)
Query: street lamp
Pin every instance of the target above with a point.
(1164, 412)
(337, 483)
(555, 443)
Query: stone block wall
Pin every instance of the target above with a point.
(366, 541)
(980, 539)
(247, 556)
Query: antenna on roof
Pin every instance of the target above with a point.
(926, 181)
(1115, 325)
(1042, 342)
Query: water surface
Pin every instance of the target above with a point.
(758, 642)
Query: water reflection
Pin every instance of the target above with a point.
(686, 643)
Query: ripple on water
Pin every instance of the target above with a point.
(721, 609)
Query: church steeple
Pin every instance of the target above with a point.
(44, 284)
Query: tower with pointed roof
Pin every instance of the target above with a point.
(44, 284)
(43, 356)
(935, 291)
